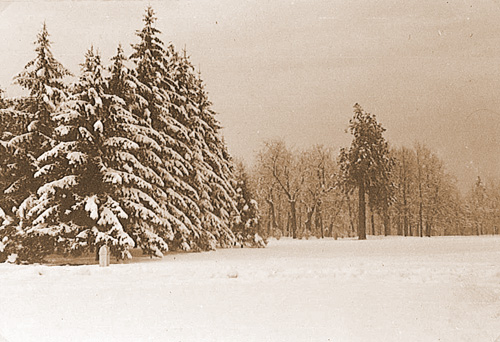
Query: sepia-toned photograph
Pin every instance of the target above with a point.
(250, 170)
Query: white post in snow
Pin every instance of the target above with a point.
(104, 256)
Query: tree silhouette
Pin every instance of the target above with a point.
(366, 165)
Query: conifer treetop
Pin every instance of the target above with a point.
(44, 69)
(149, 39)
(368, 155)
(118, 72)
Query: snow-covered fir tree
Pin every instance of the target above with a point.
(211, 174)
(27, 132)
(43, 78)
(181, 107)
(156, 88)
(184, 109)
(98, 191)
(216, 169)
(12, 123)
(246, 225)
(151, 153)
(13, 163)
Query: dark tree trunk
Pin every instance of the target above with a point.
(399, 222)
(298, 224)
(406, 228)
(308, 220)
(362, 210)
(294, 218)
(272, 217)
(372, 220)
(270, 223)
(278, 214)
(420, 219)
(387, 220)
(421, 198)
(288, 224)
(351, 218)
(309, 215)
(319, 219)
(405, 203)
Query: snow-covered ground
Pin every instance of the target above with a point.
(383, 289)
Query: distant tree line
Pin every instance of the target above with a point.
(368, 188)
(129, 155)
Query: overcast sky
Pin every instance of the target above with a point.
(429, 69)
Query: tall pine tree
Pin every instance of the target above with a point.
(217, 168)
(212, 168)
(43, 79)
(157, 88)
(366, 165)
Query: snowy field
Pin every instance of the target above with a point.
(383, 289)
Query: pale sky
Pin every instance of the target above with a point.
(429, 69)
